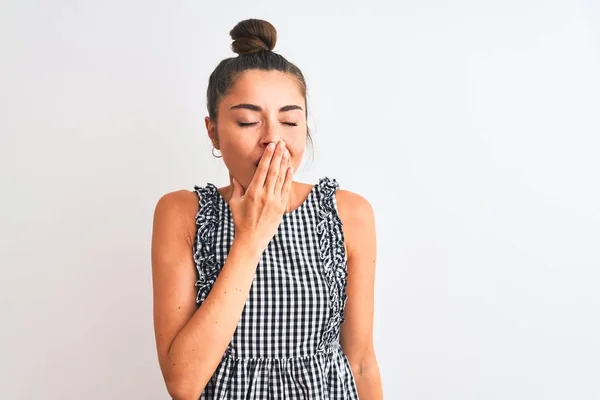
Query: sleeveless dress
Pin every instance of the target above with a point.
(286, 344)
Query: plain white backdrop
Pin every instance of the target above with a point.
(472, 128)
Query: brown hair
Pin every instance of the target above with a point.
(253, 41)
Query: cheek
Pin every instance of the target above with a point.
(234, 155)
(296, 153)
(235, 145)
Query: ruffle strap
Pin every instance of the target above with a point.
(204, 245)
(331, 246)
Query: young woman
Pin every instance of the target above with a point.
(263, 289)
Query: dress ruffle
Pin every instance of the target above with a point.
(207, 219)
(331, 244)
(284, 378)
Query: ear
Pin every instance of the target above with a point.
(211, 129)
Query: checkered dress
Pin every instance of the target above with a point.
(286, 344)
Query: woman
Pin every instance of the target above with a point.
(283, 294)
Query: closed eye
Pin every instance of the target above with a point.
(244, 124)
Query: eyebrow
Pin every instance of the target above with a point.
(254, 107)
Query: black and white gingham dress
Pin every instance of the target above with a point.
(286, 344)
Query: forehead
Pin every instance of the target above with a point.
(265, 87)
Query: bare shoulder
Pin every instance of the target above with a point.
(353, 207)
(176, 211)
(179, 201)
(358, 219)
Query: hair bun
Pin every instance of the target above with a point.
(253, 36)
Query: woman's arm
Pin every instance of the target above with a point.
(191, 341)
(356, 335)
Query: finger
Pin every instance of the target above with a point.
(273, 173)
(260, 176)
(285, 159)
(287, 185)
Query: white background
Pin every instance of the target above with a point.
(471, 126)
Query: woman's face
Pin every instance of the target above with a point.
(262, 107)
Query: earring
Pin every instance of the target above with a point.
(213, 153)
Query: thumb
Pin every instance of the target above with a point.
(238, 190)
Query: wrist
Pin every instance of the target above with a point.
(249, 247)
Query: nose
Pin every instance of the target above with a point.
(271, 133)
